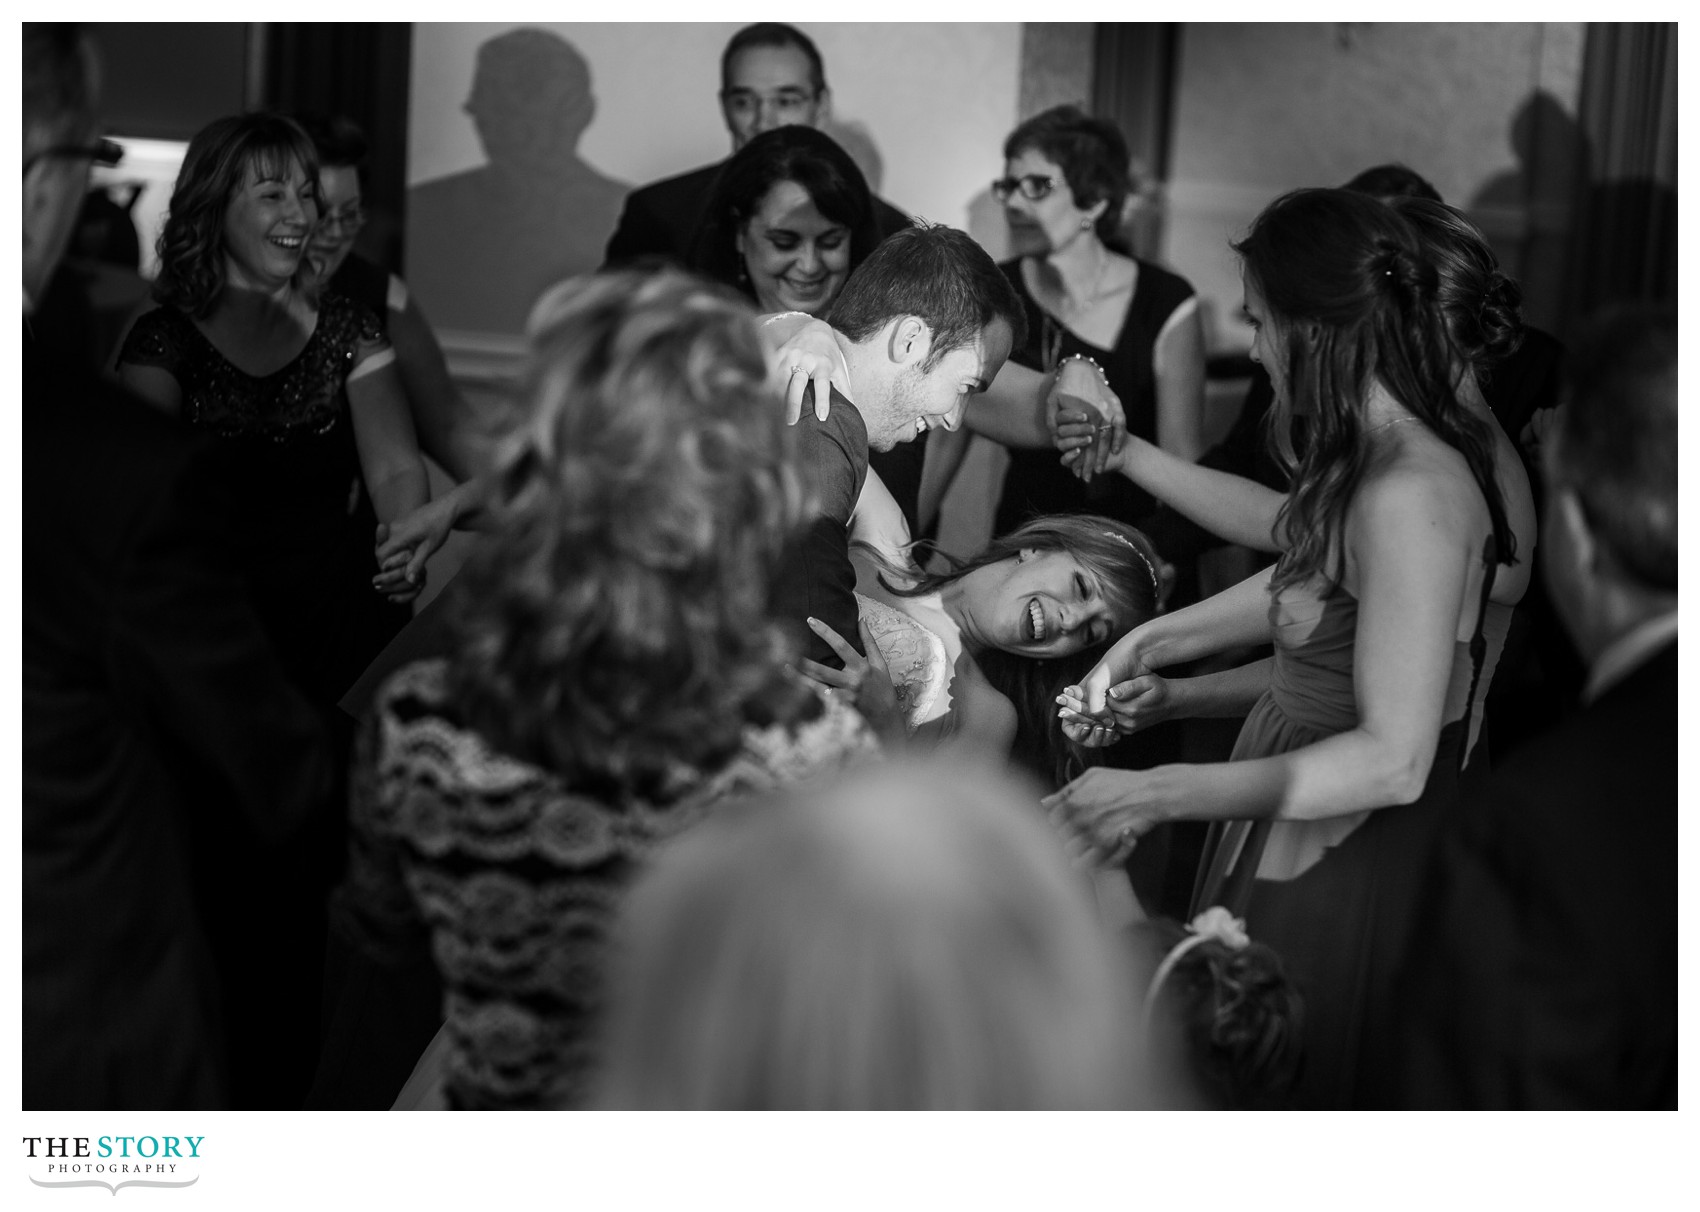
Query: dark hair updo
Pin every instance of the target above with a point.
(1484, 308)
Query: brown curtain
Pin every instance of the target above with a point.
(1626, 237)
(359, 70)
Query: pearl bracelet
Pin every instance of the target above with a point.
(1090, 360)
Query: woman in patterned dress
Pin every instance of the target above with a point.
(615, 675)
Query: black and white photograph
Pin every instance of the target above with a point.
(849, 565)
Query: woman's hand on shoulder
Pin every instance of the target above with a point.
(803, 351)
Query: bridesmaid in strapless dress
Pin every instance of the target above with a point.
(1379, 613)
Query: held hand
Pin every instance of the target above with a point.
(394, 580)
(410, 540)
(1105, 812)
(1080, 435)
(803, 350)
(1080, 387)
(1131, 706)
(1122, 663)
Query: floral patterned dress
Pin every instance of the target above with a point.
(512, 875)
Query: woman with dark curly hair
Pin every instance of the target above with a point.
(1399, 538)
(300, 387)
(615, 674)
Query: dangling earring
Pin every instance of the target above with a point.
(743, 272)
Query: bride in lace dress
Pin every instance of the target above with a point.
(977, 653)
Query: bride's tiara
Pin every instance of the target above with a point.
(1143, 559)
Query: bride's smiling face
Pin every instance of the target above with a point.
(1036, 604)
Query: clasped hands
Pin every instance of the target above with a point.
(1106, 811)
(1085, 418)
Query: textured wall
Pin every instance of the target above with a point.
(1266, 108)
(1056, 65)
(923, 106)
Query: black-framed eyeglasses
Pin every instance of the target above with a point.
(350, 219)
(104, 152)
(1033, 187)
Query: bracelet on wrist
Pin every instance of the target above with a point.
(1090, 361)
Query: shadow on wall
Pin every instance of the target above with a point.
(1528, 212)
(484, 243)
(858, 143)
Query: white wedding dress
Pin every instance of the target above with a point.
(917, 639)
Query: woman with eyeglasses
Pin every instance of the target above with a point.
(1091, 309)
(437, 408)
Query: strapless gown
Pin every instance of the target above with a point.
(1335, 897)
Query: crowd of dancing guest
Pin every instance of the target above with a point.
(711, 781)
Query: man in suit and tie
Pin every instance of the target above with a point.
(1544, 971)
(153, 704)
(771, 75)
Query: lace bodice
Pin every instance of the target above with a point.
(914, 655)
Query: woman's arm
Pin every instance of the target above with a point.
(1237, 616)
(1239, 510)
(1178, 362)
(154, 384)
(1407, 543)
(390, 462)
(437, 406)
(943, 459)
(1012, 409)
(1153, 699)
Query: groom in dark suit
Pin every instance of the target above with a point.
(1544, 973)
(153, 705)
(771, 75)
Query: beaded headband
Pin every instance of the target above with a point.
(1214, 923)
(1129, 544)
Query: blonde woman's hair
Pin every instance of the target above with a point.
(616, 629)
(911, 938)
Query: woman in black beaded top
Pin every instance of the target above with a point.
(299, 385)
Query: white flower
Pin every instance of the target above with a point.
(1217, 922)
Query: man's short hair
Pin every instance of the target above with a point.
(1616, 446)
(776, 34)
(58, 84)
(939, 274)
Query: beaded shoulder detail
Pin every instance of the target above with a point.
(304, 398)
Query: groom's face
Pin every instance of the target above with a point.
(936, 397)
